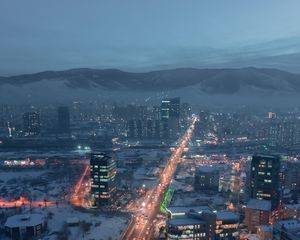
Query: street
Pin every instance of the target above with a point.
(146, 210)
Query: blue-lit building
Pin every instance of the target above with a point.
(265, 178)
(103, 172)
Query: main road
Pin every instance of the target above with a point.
(147, 209)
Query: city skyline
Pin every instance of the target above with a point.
(149, 120)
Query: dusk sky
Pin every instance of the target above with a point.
(143, 35)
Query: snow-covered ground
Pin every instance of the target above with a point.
(102, 226)
(91, 225)
(51, 184)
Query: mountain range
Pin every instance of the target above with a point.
(189, 83)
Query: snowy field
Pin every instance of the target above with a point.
(101, 226)
(38, 184)
(90, 226)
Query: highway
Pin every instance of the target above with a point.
(146, 210)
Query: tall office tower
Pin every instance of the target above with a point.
(156, 113)
(265, 178)
(185, 110)
(132, 129)
(149, 129)
(142, 112)
(31, 124)
(63, 120)
(136, 129)
(157, 129)
(103, 172)
(170, 116)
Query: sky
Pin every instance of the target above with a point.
(139, 35)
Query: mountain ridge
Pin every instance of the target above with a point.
(221, 80)
(192, 84)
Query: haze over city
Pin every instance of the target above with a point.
(148, 120)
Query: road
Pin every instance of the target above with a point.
(81, 189)
(21, 202)
(147, 209)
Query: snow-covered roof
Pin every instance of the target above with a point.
(263, 205)
(24, 220)
(266, 228)
(293, 206)
(185, 221)
(72, 220)
(182, 210)
(207, 169)
(227, 215)
(292, 224)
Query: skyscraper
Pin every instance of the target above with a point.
(31, 124)
(170, 116)
(103, 173)
(63, 120)
(265, 178)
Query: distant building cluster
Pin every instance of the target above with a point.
(164, 122)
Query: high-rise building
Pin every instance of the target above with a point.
(185, 110)
(265, 178)
(31, 124)
(170, 116)
(63, 120)
(103, 172)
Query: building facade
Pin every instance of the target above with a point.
(103, 173)
(257, 212)
(265, 178)
(31, 124)
(63, 120)
(170, 117)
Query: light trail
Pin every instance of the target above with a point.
(78, 196)
(145, 216)
(22, 201)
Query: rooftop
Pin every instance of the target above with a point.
(24, 220)
(227, 215)
(185, 221)
(266, 228)
(207, 169)
(292, 224)
(293, 206)
(183, 210)
(259, 205)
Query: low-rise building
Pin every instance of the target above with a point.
(192, 226)
(286, 230)
(25, 226)
(265, 232)
(257, 213)
(206, 179)
(227, 225)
